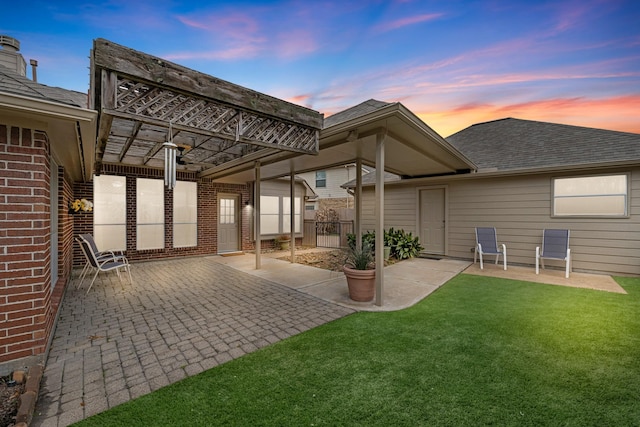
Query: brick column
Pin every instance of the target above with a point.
(25, 291)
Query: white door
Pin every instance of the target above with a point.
(228, 223)
(432, 220)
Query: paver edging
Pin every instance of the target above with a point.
(29, 397)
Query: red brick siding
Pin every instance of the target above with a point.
(207, 214)
(25, 291)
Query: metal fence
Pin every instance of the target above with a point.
(333, 234)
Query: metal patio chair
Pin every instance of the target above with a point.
(100, 255)
(106, 262)
(487, 244)
(555, 245)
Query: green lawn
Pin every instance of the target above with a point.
(479, 351)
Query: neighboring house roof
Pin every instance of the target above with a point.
(510, 144)
(11, 82)
(353, 112)
(370, 178)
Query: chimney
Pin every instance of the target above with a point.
(10, 56)
(34, 65)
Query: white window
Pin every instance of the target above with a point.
(269, 215)
(110, 212)
(150, 213)
(185, 214)
(321, 179)
(286, 217)
(227, 211)
(275, 215)
(603, 195)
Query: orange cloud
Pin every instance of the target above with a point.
(615, 113)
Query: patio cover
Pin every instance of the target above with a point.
(412, 148)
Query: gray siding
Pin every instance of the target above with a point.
(519, 207)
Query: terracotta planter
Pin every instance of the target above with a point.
(362, 283)
(284, 244)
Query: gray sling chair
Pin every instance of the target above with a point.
(487, 244)
(555, 245)
(102, 261)
(100, 255)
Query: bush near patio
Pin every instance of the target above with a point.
(479, 351)
(403, 245)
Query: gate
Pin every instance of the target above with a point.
(333, 234)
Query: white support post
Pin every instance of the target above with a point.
(379, 213)
(292, 228)
(256, 217)
(358, 204)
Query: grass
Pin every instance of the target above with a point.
(479, 351)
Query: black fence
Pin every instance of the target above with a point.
(333, 234)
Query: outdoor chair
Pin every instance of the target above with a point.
(100, 255)
(106, 262)
(487, 244)
(555, 245)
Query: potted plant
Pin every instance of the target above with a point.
(360, 272)
(283, 241)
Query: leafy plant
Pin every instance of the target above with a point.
(360, 259)
(403, 245)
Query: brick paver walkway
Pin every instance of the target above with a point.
(179, 318)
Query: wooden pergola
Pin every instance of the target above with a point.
(140, 97)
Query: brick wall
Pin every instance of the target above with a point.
(25, 292)
(207, 214)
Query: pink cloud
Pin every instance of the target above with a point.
(296, 43)
(240, 52)
(404, 22)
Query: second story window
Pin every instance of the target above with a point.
(321, 179)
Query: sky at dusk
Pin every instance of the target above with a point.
(453, 63)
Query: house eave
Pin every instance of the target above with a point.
(579, 168)
(62, 122)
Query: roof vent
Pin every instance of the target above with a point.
(10, 56)
(9, 43)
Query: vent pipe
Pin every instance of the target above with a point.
(34, 65)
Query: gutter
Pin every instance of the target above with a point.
(512, 172)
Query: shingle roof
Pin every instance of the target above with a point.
(11, 82)
(521, 144)
(370, 178)
(353, 112)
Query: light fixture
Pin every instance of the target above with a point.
(170, 161)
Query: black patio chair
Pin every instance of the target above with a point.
(100, 255)
(105, 263)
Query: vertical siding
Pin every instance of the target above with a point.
(520, 208)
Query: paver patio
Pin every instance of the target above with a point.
(179, 318)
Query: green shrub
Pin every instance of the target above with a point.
(403, 245)
(360, 259)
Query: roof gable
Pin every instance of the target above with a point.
(361, 109)
(525, 144)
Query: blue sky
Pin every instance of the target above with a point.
(453, 63)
